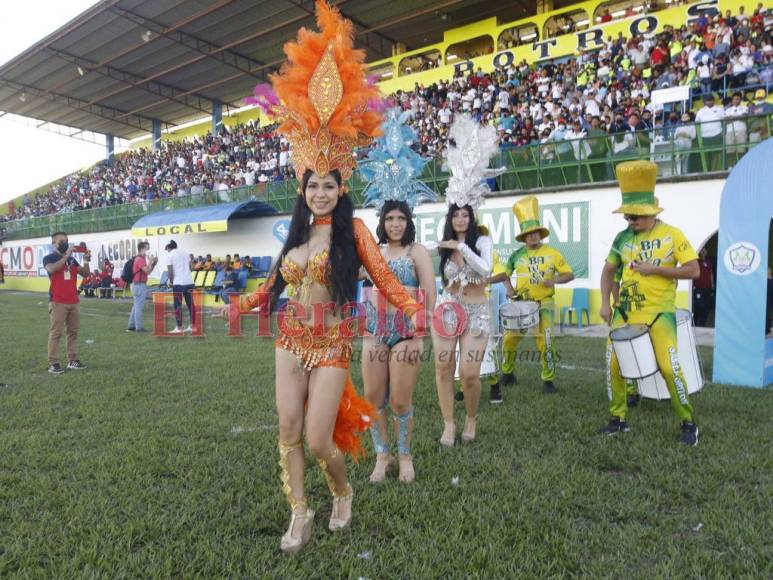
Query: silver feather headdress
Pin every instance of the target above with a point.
(468, 161)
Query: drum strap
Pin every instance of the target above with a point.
(624, 316)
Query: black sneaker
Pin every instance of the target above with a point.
(55, 369)
(507, 379)
(130, 330)
(615, 426)
(459, 396)
(496, 396)
(75, 365)
(549, 388)
(633, 400)
(689, 433)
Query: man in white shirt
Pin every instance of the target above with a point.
(284, 157)
(709, 119)
(179, 272)
(735, 131)
(467, 99)
(576, 134)
(504, 99)
(444, 115)
(592, 105)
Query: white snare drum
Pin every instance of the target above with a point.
(519, 315)
(654, 387)
(489, 364)
(633, 347)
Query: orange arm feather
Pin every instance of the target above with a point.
(260, 297)
(378, 269)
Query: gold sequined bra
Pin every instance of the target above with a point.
(300, 280)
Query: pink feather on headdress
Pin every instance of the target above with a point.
(264, 97)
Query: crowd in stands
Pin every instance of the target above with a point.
(236, 157)
(207, 263)
(602, 93)
(607, 91)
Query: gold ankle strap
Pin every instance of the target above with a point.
(335, 452)
(285, 449)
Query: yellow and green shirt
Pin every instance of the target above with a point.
(533, 267)
(664, 245)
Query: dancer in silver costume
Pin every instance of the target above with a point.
(465, 266)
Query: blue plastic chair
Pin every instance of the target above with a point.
(580, 304)
(242, 283)
(265, 266)
(216, 286)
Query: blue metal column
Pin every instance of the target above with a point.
(217, 116)
(110, 148)
(156, 134)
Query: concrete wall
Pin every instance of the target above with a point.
(581, 224)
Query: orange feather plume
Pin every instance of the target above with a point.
(325, 94)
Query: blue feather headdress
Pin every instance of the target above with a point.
(392, 169)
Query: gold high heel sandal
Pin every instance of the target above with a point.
(449, 434)
(293, 542)
(337, 523)
(340, 500)
(294, 539)
(469, 429)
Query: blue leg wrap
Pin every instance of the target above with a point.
(375, 433)
(403, 445)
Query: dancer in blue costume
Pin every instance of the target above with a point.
(391, 356)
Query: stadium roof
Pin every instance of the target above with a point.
(122, 63)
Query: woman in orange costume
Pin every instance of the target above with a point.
(324, 115)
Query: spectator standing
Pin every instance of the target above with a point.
(63, 310)
(735, 131)
(141, 268)
(684, 135)
(597, 141)
(704, 71)
(710, 117)
(758, 126)
(177, 267)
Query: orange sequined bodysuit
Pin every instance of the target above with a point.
(317, 347)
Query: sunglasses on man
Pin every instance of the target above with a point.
(632, 218)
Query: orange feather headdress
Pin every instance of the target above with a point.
(326, 99)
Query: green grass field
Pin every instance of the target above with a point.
(160, 461)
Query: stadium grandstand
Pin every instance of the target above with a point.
(571, 91)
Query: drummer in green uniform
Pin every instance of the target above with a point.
(536, 268)
(653, 256)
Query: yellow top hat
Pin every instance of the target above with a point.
(637, 184)
(526, 212)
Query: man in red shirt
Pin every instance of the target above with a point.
(106, 280)
(63, 312)
(703, 290)
(140, 270)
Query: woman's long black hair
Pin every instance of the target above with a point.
(409, 235)
(344, 262)
(470, 238)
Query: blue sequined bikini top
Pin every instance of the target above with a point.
(405, 270)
